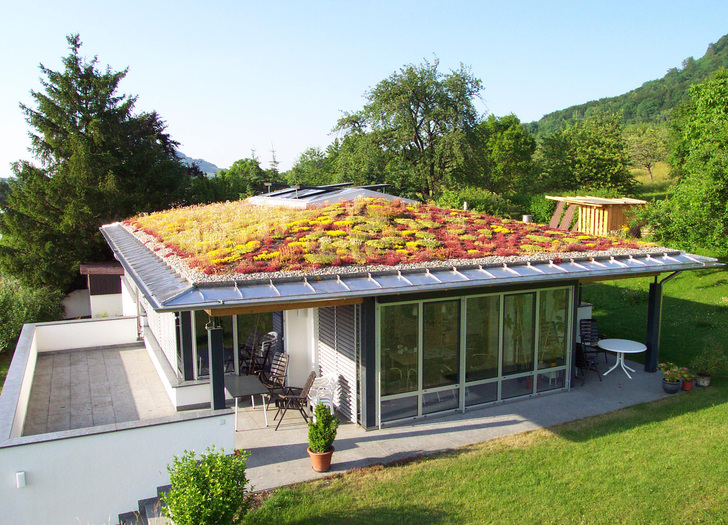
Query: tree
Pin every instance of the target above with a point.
(589, 154)
(243, 179)
(507, 150)
(99, 162)
(647, 145)
(696, 214)
(425, 120)
(313, 168)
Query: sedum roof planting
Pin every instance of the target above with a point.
(240, 237)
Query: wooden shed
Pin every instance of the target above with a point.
(600, 216)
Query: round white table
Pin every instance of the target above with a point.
(621, 347)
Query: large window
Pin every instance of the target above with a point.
(441, 344)
(518, 332)
(399, 355)
(482, 336)
(439, 355)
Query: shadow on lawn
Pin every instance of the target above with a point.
(645, 413)
(401, 514)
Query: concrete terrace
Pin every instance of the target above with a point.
(279, 458)
(94, 387)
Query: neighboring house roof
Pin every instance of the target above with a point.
(168, 282)
(315, 196)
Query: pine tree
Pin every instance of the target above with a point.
(98, 162)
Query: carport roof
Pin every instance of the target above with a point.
(166, 290)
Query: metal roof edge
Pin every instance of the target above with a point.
(190, 298)
(109, 231)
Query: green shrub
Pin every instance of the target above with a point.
(209, 491)
(480, 200)
(322, 429)
(19, 305)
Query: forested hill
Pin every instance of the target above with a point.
(652, 102)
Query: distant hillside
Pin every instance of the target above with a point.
(205, 167)
(652, 102)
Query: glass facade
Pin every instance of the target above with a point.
(444, 355)
(236, 333)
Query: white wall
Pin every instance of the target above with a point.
(128, 297)
(93, 478)
(108, 305)
(85, 333)
(300, 335)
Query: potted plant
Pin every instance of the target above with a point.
(687, 377)
(711, 360)
(321, 434)
(670, 377)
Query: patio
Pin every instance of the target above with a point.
(279, 457)
(93, 387)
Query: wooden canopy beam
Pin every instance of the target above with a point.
(267, 308)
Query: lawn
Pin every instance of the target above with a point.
(661, 462)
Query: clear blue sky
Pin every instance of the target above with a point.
(230, 77)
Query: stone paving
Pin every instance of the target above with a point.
(86, 388)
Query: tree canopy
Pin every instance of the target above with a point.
(424, 120)
(590, 154)
(696, 214)
(98, 162)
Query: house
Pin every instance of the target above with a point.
(416, 310)
(407, 336)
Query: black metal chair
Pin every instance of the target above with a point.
(589, 336)
(584, 363)
(260, 359)
(293, 399)
(275, 379)
(251, 344)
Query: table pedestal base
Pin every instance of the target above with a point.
(620, 362)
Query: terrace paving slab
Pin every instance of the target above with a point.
(92, 387)
(279, 458)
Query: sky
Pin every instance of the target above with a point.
(233, 79)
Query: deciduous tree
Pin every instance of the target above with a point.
(696, 215)
(425, 120)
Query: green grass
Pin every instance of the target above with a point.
(662, 462)
(657, 188)
(5, 359)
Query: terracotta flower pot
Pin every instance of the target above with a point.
(687, 385)
(320, 461)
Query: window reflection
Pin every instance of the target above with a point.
(518, 332)
(399, 348)
(481, 349)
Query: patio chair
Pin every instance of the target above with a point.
(584, 363)
(274, 379)
(251, 343)
(293, 399)
(589, 336)
(259, 360)
(323, 391)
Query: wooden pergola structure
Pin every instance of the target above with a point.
(597, 215)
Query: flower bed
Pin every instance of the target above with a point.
(223, 238)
